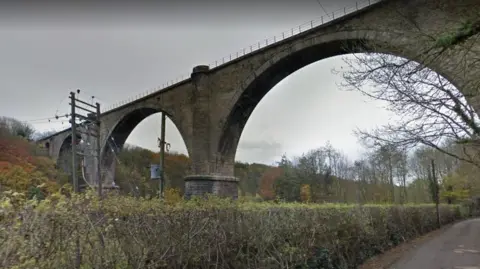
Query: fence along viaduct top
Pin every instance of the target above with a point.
(211, 108)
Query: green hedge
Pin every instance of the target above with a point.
(128, 233)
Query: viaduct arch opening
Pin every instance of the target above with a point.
(146, 121)
(274, 71)
(64, 160)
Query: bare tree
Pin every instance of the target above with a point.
(44, 134)
(401, 173)
(430, 109)
(16, 127)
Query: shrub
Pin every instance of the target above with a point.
(172, 196)
(22, 171)
(305, 193)
(123, 232)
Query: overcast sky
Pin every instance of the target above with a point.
(118, 51)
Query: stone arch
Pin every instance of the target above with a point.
(304, 52)
(122, 126)
(64, 159)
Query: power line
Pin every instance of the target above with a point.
(56, 117)
(324, 10)
(114, 149)
(93, 96)
(58, 106)
(50, 123)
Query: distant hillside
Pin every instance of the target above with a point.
(268, 182)
(133, 171)
(22, 168)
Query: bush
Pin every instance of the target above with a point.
(172, 196)
(123, 232)
(22, 171)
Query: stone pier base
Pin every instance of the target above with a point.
(105, 189)
(200, 185)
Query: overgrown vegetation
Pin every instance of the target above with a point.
(123, 232)
(23, 167)
(466, 29)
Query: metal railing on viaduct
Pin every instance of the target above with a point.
(255, 47)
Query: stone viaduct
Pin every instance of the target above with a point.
(211, 108)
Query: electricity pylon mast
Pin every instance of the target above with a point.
(93, 117)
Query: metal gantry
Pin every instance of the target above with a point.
(93, 117)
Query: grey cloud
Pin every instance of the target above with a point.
(259, 151)
(260, 145)
(174, 14)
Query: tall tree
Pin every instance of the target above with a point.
(16, 127)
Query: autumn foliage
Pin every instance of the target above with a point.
(23, 170)
(133, 171)
(267, 187)
(305, 193)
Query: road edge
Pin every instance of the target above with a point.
(391, 256)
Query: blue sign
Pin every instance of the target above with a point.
(155, 171)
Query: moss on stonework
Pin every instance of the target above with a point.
(451, 38)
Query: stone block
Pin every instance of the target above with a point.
(200, 185)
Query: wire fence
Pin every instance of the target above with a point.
(255, 47)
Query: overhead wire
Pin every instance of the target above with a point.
(115, 148)
(93, 97)
(58, 106)
(48, 119)
(58, 119)
(112, 144)
(324, 10)
(66, 115)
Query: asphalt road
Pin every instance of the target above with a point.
(456, 248)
